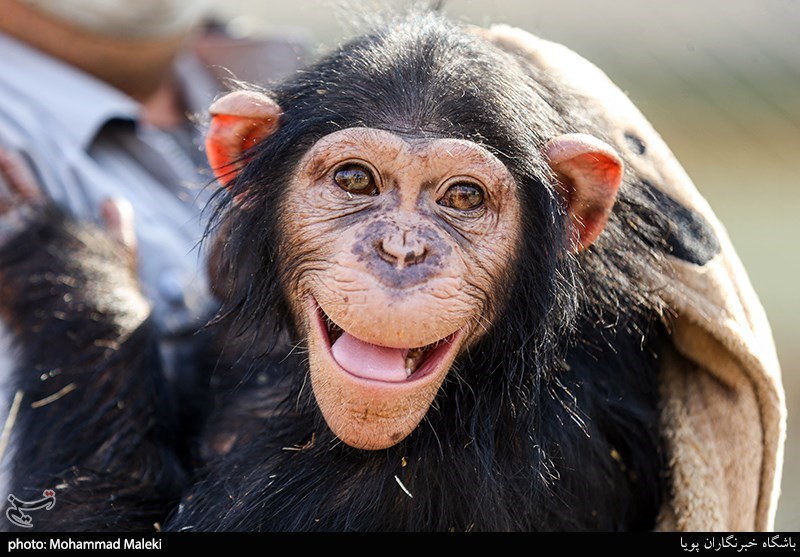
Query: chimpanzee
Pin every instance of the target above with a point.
(440, 311)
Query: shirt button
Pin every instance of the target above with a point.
(170, 288)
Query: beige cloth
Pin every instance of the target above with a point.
(724, 413)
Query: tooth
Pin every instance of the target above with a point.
(413, 358)
(411, 363)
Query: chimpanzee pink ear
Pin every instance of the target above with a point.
(239, 120)
(589, 173)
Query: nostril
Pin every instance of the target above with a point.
(401, 254)
(416, 256)
(384, 252)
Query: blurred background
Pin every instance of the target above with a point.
(719, 79)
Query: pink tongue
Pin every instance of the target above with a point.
(370, 361)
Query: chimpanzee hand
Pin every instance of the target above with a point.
(22, 199)
(54, 268)
(85, 362)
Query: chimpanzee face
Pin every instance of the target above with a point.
(396, 249)
(402, 240)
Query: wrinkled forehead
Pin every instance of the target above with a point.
(401, 150)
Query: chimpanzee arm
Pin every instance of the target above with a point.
(93, 415)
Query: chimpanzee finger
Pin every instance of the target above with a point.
(20, 194)
(118, 218)
(17, 182)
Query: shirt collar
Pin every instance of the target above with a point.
(76, 101)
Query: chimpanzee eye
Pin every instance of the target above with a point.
(354, 178)
(462, 197)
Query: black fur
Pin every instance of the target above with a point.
(549, 423)
(96, 423)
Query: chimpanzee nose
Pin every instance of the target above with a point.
(402, 249)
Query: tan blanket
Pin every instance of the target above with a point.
(724, 411)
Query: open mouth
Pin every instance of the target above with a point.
(372, 396)
(382, 363)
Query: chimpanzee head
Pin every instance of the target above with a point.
(398, 202)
